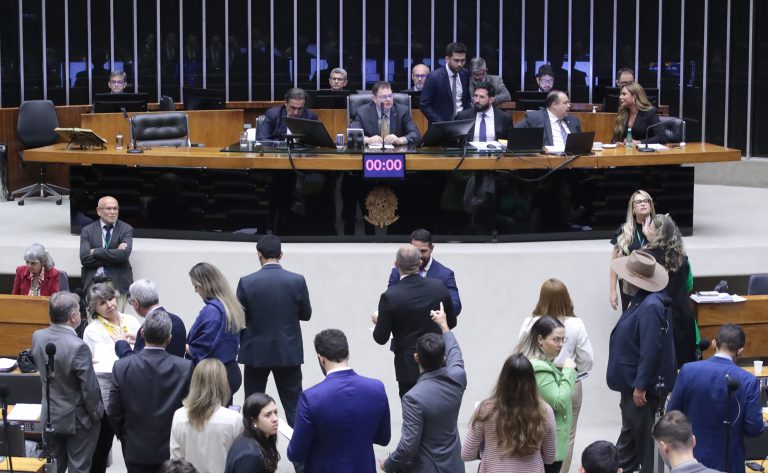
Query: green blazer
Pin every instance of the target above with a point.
(556, 388)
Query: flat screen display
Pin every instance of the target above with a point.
(384, 165)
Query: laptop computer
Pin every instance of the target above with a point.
(15, 445)
(525, 140)
(579, 143)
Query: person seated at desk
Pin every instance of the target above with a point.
(554, 119)
(419, 75)
(384, 121)
(338, 79)
(117, 82)
(624, 76)
(273, 127)
(545, 78)
(636, 112)
(37, 277)
(491, 123)
(479, 71)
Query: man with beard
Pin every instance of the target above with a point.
(446, 91)
(491, 123)
(479, 70)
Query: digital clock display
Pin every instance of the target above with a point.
(384, 165)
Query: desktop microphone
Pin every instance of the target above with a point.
(134, 149)
(704, 344)
(50, 350)
(645, 148)
(722, 286)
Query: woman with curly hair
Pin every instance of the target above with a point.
(514, 430)
(630, 237)
(666, 246)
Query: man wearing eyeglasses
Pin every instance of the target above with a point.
(419, 75)
(384, 121)
(273, 127)
(545, 77)
(117, 82)
(624, 76)
(105, 249)
(479, 71)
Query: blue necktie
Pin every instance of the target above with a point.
(482, 135)
(562, 131)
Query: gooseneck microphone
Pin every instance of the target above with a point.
(134, 149)
(645, 148)
(50, 350)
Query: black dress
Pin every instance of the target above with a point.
(683, 324)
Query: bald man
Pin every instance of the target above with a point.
(105, 249)
(419, 75)
(404, 312)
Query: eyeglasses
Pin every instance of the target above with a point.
(117, 82)
(559, 340)
(385, 97)
(110, 209)
(642, 201)
(419, 76)
(547, 81)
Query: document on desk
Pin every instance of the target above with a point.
(487, 145)
(285, 429)
(720, 298)
(25, 413)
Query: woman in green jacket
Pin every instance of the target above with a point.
(542, 345)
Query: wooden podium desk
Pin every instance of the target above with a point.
(752, 315)
(27, 465)
(20, 316)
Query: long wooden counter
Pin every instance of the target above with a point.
(752, 315)
(328, 160)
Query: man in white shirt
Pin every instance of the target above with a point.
(491, 123)
(554, 119)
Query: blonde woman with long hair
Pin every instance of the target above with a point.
(630, 237)
(216, 330)
(638, 113)
(203, 429)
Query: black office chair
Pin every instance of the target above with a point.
(758, 285)
(161, 129)
(166, 104)
(673, 128)
(37, 120)
(355, 101)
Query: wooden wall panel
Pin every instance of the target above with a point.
(20, 316)
(752, 315)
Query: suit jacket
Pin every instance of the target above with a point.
(436, 271)
(502, 94)
(176, 347)
(275, 300)
(117, 260)
(337, 421)
(701, 394)
(694, 467)
(430, 438)
(501, 121)
(404, 313)
(540, 119)
(436, 101)
(75, 394)
(400, 122)
(146, 390)
(273, 127)
(636, 346)
(644, 120)
(22, 283)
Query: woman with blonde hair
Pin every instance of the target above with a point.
(514, 430)
(629, 237)
(542, 344)
(203, 429)
(554, 300)
(636, 112)
(216, 330)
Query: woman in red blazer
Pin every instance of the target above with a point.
(38, 277)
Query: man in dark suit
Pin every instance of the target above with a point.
(554, 119)
(676, 442)
(702, 393)
(384, 121)
(429, 442)
(419, 75)
(404, 312)
(491, 123)
(430, 267)
(145, 300)
(275, 300)
(273, 127)
(146, 390)
(105, 249)
(446, 91)
(339, 419)
(75, 401)
(641, 350)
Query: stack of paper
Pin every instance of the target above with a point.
(716, 298)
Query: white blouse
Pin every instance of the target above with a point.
(577, 345)
(206, 449)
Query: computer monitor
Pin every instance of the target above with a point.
(203, 99)
(15, 442)
(312, 132)
(115, 103)
(24, 388)
(530, 95)
(525, 140)
(327, 98)
(530, 104)
(446, 133)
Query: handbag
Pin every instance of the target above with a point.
(26, 361)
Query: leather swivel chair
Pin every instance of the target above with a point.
(673, 128)
(355, 101)
(161, 129)
(758, 285)
(35, 128)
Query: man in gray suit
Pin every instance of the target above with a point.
(674, 437)
(105, 249)
(143, 422)
(430, 438)
(554, 119)
(75, 401)
(479, 71)
(384, 121)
